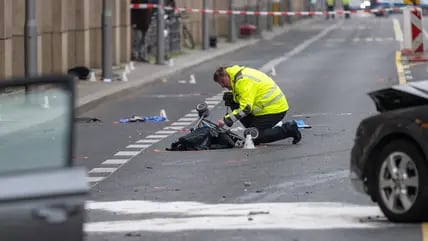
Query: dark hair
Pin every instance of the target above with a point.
(220, 72)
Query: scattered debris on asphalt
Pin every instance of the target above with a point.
(86, 120)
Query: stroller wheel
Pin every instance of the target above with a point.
(202, 109)
(252, 131)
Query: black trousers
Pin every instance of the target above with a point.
(264, 124)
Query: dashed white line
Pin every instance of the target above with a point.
(138, 146)
(157, 136)
(188, 119)
(147, 141)
(181, 123)
(95, 179)
(127, 153)
(212, 102)
(115, 161)
(165, 132)
(211, 106)
(174, 128)
(103, 170)
(192, 115)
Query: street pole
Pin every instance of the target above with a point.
(160, 50)
(205, 26)
(232, 33)
(30, 39)
(107, 42)
(270, 17)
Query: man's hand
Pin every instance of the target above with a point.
(220, 123)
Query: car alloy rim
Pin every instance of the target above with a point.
(398, 182)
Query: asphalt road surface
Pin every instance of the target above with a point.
(277, 191)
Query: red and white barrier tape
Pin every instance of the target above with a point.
(261, 13)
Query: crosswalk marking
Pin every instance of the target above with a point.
(138, 146)
(232, 216)
(103, 170)
(115, 161)
(127, 153)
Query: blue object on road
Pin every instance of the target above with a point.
(154, 118)
(301, 124)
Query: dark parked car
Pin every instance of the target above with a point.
(389, 160)
(42, 193)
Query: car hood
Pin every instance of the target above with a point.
(401, 96)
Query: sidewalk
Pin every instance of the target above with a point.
(90, 94)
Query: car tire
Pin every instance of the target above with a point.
(400, 192)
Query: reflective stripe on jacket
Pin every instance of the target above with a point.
(256, 93)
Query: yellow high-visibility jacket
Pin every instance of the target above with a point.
(256, 93)
(345, 2)
(330, 2)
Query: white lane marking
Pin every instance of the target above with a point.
(356, 40)
(274, 62)
(182, 81)
(264, 216)
(211, 106)
(95, 179)
(147, 141)
(178, 128)
(165, 132)
(181, 123)
(188, 119)
(212, 102)
(115, 161)
(138, 146)
(156, 136)
(369, 39)
(103, 170)
(397, 30)
(409, 77)
(407, 71)
(192, 115)
(127, 153)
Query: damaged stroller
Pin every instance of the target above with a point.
(206, 135)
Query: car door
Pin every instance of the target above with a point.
(42, 194)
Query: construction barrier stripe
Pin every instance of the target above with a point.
(260, 13)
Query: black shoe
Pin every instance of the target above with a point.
(297, 135)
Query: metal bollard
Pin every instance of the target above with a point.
(270, 17)
(232, 24)
(30, 39)
(205, 27)
(107, 42)
(160, 50)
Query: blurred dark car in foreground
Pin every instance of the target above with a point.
(389, 160)
(43, 192)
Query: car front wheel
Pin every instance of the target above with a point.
(401, 182)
